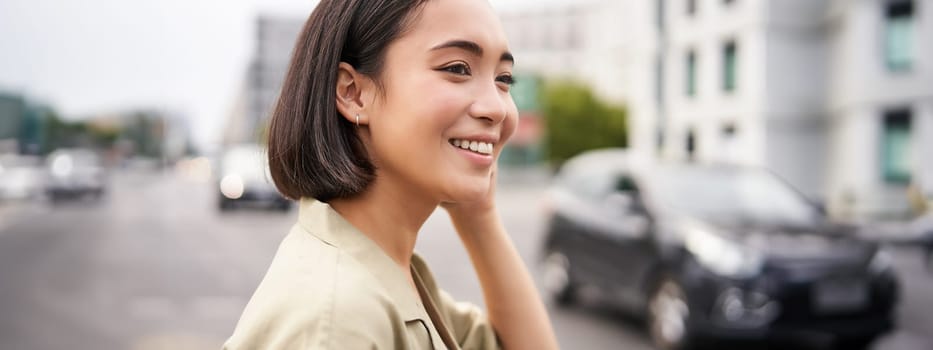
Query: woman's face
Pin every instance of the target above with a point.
(446, 83)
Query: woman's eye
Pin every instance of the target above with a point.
(506, 79)
(459, 69)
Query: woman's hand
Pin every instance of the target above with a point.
(475, 214)
(513, 305)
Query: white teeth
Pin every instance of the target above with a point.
(478, 147)
(487, 148)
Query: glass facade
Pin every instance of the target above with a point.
(895, 146)
(898, 35)
(691, 74)
(729, 67)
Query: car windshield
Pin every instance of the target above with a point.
(78, 158)
(745, 196)
(245, 161)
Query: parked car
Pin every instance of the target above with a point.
(921, 233)
(244, 179)
(712, 253)
(75, 173)
(20, 178)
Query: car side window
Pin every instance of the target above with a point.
(626, 185)
(588, 183)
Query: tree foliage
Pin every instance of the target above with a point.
(578, 121)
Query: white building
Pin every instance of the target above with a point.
(740, 81)
(603, 43)
(879, 102)
(835, 96)
(275, 40)
(586, 40)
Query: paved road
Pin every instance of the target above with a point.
(155, 266)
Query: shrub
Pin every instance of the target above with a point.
(576, 121)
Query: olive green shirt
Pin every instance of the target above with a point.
(331, 287)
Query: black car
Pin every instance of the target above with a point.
(712, 253)
(921, 230)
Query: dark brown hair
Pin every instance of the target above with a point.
(313, 151)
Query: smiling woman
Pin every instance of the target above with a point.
(390, 109)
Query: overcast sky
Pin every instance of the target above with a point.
(95, 56)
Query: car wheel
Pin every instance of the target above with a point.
(668, 312)
(929, 257)
(284, 206)
(857, 343)
(557, 281)
(225, 205)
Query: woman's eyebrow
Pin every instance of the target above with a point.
(472, 48)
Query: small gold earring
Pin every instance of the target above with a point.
(357, 119)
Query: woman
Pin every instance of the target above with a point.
(389, 109)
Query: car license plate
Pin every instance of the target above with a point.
(840, 295)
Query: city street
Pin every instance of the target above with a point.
(157, 266)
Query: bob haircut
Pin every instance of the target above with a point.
(313, 151)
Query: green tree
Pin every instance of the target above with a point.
(60, 133)
(577, 121)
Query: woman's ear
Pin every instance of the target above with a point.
(352, 91)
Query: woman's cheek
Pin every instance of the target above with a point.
(448, 101)
(510, 124)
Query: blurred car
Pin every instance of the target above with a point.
(75, 173)
(712, 253)
(20, 178)
(245, 179)
(921, 232)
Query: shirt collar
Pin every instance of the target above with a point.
(322, 221)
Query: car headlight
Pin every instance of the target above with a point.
(880, 262)
(722, 256)
(62, 166)
(232, 186)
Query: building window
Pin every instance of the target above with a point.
(691, 73)
(728, 130)
(660, 139)
(691, 7)
(659, 12)
(659, 80)
(573, 34)
(547, 34)
(690, 144)
(895, 146)
(729, 67)
(899, 34)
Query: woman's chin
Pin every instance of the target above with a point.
(468, 192)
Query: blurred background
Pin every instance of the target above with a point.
(686, 173)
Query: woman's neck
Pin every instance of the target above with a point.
(390, 214)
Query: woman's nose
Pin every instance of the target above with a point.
(490, 104)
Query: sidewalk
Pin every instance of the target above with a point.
(532, 176)
(13, 211)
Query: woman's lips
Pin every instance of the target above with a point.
(477, 158)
